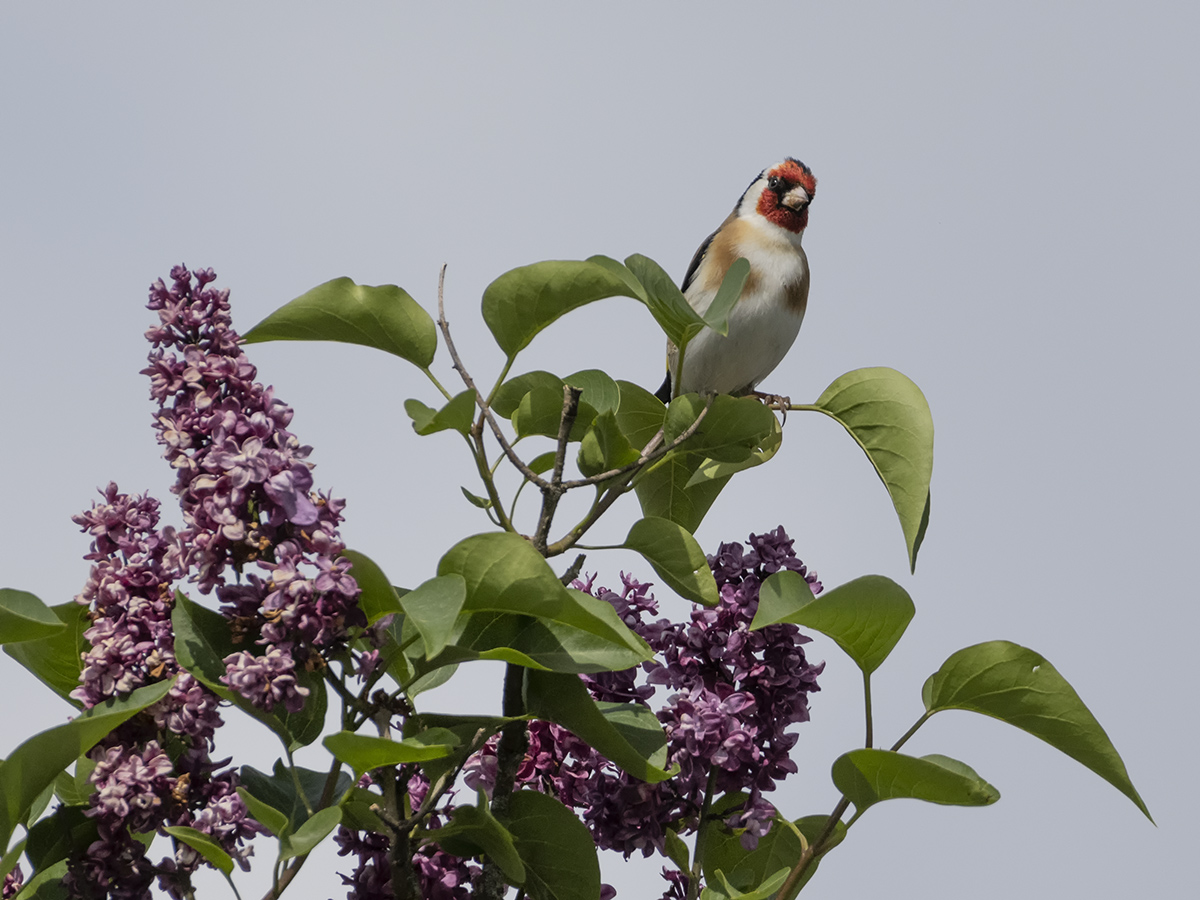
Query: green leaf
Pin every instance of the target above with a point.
(812, 827)
(731, 431)
(457, 414)
(314, 830)
(600, 392)
(68, 832)
(278, 790)
(716, 316)
(721, 889)
(476, 500)
(529, 642)
(8, 861)
(76, 789)
(747, 869)
(506, 400)
(677, 850)
(378, 598)
(557, 849)
(505, 574)
(540, 413)
(523, 301)
(23, 617)
(34, 765)
(640, 416)
(433, 608)
(1019, 686)
(357, 814)
(663, 490)
(383, 317)
(204, 845)
(665, 301)
(674, 554)
(887, 415)
(474, 830)
(632, 738)
(47, 884)
(603, 446)
(202, 642)
(543, 462)
(363, 753)
(867, 777)
(274, 820)
(712, 470)
(866, 617)
(57, 660)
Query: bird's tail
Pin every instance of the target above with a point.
(664, 392)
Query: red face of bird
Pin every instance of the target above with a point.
(781, 194)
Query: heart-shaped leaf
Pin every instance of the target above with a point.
(23, 617)
(32, 767)
(636, 744)
(204, 845)
(57, 659)
(363, 753)
(456, 415)
(474, 830)
(383, 317)
(504, 573)
(378, 598)
(1019, 686)
(674, 554)
(557, 849)
(865, 617)
(522, 302)
(867, 777)
(886, 413)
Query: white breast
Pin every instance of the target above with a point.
(762, 327)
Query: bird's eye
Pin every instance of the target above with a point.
(773, 182)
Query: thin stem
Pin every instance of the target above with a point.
(553, 492)
(482, 402)
(610, 495)
(232, 886)
(651, 453)
(790, 887)
(299, 787)
(867, 705)
(904, 739)
(285, 878)
(693, 888)
(514, 741)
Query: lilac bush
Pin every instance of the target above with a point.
(297, 626)
(734, 696)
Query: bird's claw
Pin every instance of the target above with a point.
(775, 401)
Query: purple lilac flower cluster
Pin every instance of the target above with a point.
(13, 882)
(245, 490)
(734, 696)
(439, 875)
(139, 787)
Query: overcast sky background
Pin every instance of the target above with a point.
(1006, 214)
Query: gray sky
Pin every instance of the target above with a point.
(1004, 214)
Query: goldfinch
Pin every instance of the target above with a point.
(766, 227)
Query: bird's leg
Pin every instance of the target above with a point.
(774, 401)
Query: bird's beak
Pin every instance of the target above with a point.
(796, 199)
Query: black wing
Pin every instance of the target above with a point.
(695, 264)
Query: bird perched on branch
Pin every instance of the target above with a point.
(766, 227)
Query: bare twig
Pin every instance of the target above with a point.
(651, 453)
(788, 889)
(480, 400)
(553, 492)
(623, 486)
(572, 573)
